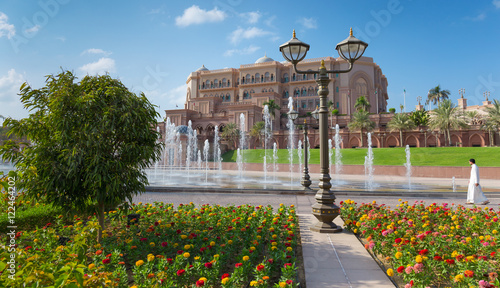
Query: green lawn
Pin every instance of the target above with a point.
(439, 156)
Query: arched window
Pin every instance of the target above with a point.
(223, 82)
(266, 79)
(248, 79)
(271, 90)
(296, 92)
(202, 85)
(228, 97)
(261, 78)
(253, 79)
(257, 78)
(304, 76)
(304, 91)
(361, 87)
(272, 77)
(207, 85)
(293, 77)
(216, 83)
(228, 83)
(285, 94)
(285, 78)
(264, 90)
(242, 80)
(246, 95)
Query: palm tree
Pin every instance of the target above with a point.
(331, 106)
(401, 122)
(361, 121)
(257, 130)
(231, 133)
(493, 120)
(491, 126)
(272, 106)
(437, 95)
(362, 104)
(446, 117)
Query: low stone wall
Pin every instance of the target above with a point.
(417, 171)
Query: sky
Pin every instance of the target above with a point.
(152, 46)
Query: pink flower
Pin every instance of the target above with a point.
(419, 267)
(408, 269)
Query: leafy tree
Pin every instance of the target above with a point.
(331, 107)
(491, 126)
(401, 122)
(446, 117)
(258, 130)
(362, 104)
(361, 121)
(231, 133)
(91, 142)
(272, 106)
(474, 118)
(420, 117)
(493, 119)
(437, 95)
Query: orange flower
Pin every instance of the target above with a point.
(98, 252)
(151, 275)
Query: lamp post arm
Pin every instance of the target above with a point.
(327, 71)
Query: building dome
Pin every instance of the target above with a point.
(264, 59)
(202, 68)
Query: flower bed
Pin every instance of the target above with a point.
(430, 246)
(184, 246)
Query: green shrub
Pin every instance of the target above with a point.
(392, 110)
(29, 219)
(335, 112)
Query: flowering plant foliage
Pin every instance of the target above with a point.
(430, 246)
(168, 246)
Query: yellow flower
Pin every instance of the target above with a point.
(187, 247)
(230, 242)
(92, 266)
(246, 258)
(36, 240)
(139, 263)
(459, 278)
(252, 248)
(254, 283)
(282, 284)
(398, 255)
(212, 243)
(203, 279)
(186, 255)
(197, 258)
(225, 280)
(390, 272)
(289, 249)
(418, 259)
(151, 257)
(152, 244)
(183, 237)
(216, 256)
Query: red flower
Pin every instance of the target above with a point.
(270, 260)
(109, 255)
(468, 273)
(180, 252)
(170, 260)
(401, 269)
(260, 267)
(180, 272)
(450, 261)
(438, 258)
(287, 264)
(289, 282)
(144, 239)
(164, 244)
(225, 275)
(200, 283)
(106, 261)
(208, 265)
(238, 265)
(398, 240)
(423, 252)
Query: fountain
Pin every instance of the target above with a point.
(206, 147)
(217, 156)
(330, 154)
(291, 146)
(275, 161)
(267, 137)
(453, 185)
(338, 155)
(240, 159)
(408, 166)
(369, 164)
(199, 160)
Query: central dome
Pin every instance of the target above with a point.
(264, 59)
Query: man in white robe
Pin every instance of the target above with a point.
(475, 194)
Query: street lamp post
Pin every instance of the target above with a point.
(294, 51)
(306, 179)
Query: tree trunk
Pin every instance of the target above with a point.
(449, 137)
(401, 138)
(100, 216)
(361, 137)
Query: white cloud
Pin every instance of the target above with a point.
(245, 51)
(96, 51)
(170, 99)
(157, 11)
(6, 29)
(195, 15)
(33, 30)
(251, 17)
(479, 17)
(9, 87)
(308, 23)
(102, 66)
(249, 33)
(496, 3)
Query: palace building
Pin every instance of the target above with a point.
(218, 97)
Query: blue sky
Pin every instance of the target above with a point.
(152, 46)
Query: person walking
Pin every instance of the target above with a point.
(475, 194)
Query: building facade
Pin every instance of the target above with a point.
(215, 98)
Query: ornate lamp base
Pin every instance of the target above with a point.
(325, 213)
